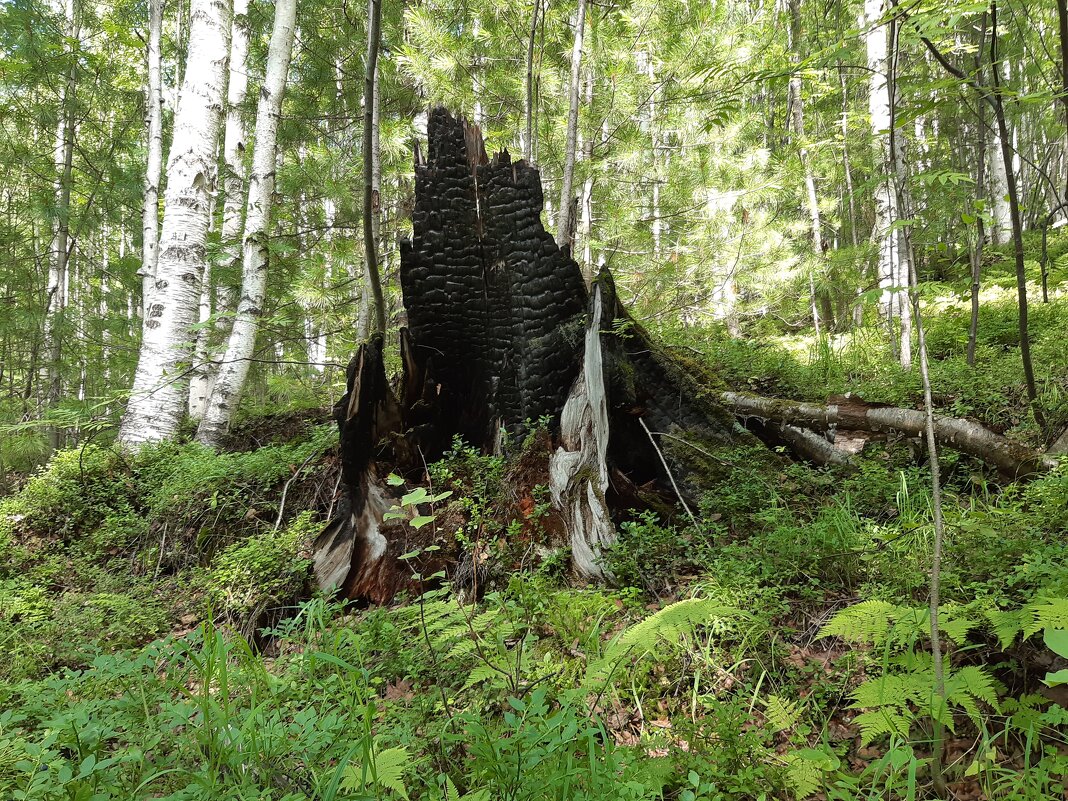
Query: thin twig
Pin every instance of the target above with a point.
(667, 469)
(285, 489)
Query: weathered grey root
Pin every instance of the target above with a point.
(1012, 459)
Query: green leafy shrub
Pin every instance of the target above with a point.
(69, 496)
(264, 569)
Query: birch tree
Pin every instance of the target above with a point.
(234, 179)
(230, 380)
(890, 274)
(158, 398)
(797, 123)
(370, 197)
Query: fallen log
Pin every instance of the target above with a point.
(1012, 459)
(503, 331)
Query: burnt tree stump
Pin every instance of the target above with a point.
(503, 331)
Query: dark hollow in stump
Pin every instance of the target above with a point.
(503, 331)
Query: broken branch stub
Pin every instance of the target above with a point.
(502, 332)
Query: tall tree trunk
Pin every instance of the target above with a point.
(1017, 224)
(565, 220)
(1062, 29)
(230, 380)
(370, 195)
(885, 198)
(906, 257)
(58, 280)
(993, 96)
(976, 256)
(154, 142)
(586, 201)
(158, 399)
(234, 180)
(1001, 213)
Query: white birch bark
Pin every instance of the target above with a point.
(1001, 214)
(233, 182)
(564, 220)
(586, 202)
(230, 380)
(158, 399)
(886, 212)
(154, 161)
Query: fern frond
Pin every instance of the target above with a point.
(892, 690)
(781, 714)
(1048, 613)
(390, 765)
(803, 776)
(868, 622)
(881, 722)
(669, 624)
(1006, 625)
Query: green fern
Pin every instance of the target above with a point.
(386, 772)
(806, 768)
(868, 622)
(894, 701)
(668, 625)
(1047, 613)
(671, 623)
(1006, 625)
(452, 794)
(781, 714)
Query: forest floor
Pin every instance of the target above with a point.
(161, 639)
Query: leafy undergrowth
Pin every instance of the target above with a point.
(776, 651)
(157, 645)
(100, 551)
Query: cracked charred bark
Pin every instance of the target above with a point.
(503, 331)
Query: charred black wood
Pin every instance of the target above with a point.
(501, 331)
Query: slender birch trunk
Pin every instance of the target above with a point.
(886, 211)
(586, 202)
(154, 162)
(998, 172)
(376, 186)
(998, 189)
(234, 179)
(1015, 219)
(160, 389)
(564, 221)
(230, 379)
(905, 264)
(976, 256)
(1062, 32)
